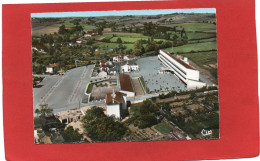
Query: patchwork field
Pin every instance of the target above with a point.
(44, 30)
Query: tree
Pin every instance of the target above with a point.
(119, 40)
(139, 49)
(62, 29)
(44, 111)
(143, 115)
(100, 127)
(71, 135)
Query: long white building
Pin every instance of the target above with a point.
(181, 69)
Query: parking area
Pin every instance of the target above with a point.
(154, 81)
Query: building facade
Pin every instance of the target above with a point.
(115, 101)
(51, 68)
(126, 68)
(189, 75)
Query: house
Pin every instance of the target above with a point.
(51, 68)
(118, 58)
(125, 85)
(112, 71)
(36, 137)
(126, 68)
(34, 49)
(129, 57)
(102, 74)
(115, 101)
(108, 29)
(105, 65)
(79, 41)
(90, 33)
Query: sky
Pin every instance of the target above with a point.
(122, 13)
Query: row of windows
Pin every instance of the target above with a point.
(175, 65)
(166, 61)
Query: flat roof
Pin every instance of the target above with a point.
(125, 82)
(179, 61)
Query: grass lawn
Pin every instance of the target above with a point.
(204, 46)
(90, 87)
(163, 128)
(141, 79)
(202, 58)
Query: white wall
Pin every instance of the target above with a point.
(113, 109)
(49, 70)
(128, 94)
(195, 84)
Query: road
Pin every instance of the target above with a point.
(63, 92)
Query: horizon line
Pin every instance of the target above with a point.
(121, 13)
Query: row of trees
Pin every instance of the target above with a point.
(143, 46)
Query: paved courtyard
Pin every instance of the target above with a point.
(63, 92)
(156, 82)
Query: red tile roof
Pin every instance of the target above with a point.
(117, 100)
(179, 61)
(131, 56)
(51, 65)
(92, 32)
(125, 82)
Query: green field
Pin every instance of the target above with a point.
(203, 40)
(163, 128)
(204, 46)
(198, 26)
(204, 58)
(200, 35)
(90, 87)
